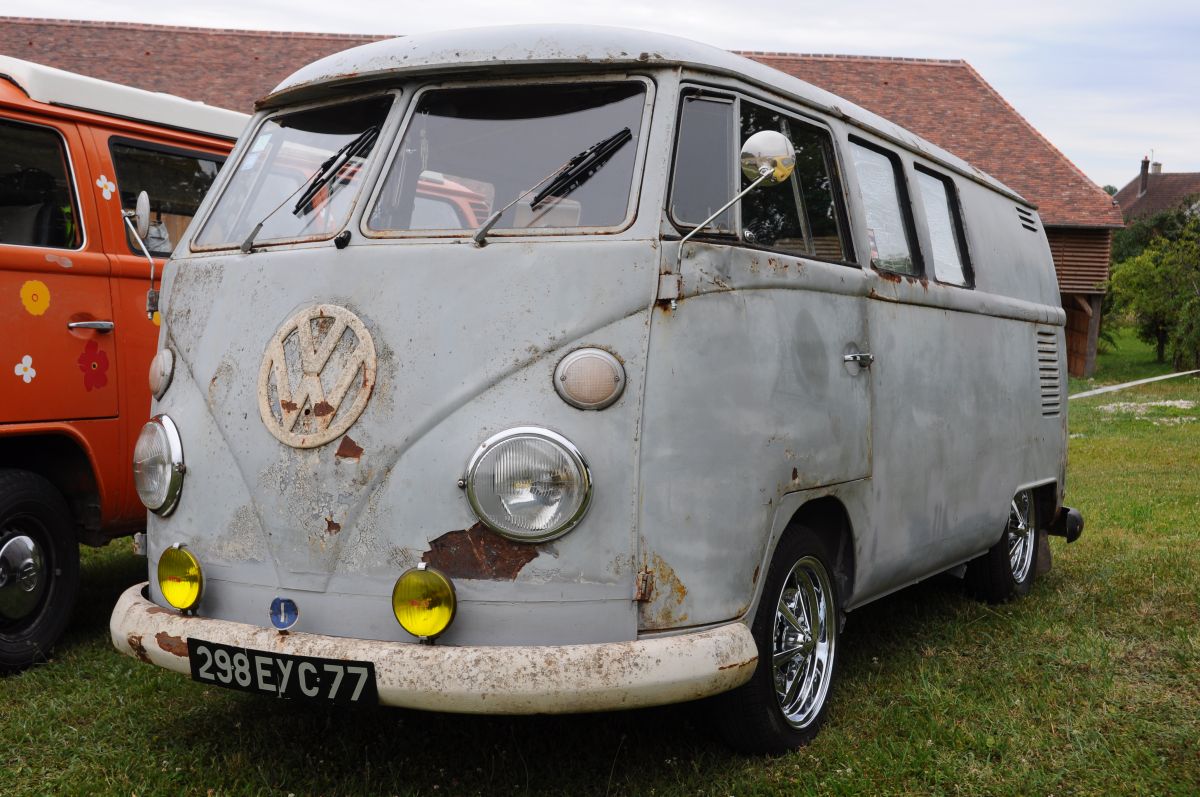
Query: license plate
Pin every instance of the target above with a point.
(281, 674)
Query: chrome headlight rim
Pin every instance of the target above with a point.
(545, 434)
(175, 452)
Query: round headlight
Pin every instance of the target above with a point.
(424, 602)
(158, 465)
(528, 484)
(180, 578)
(590, 379)
(162, 368)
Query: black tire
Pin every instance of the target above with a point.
(752, 717)
(1009, 567)
(34, 612)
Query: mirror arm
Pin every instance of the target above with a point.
(763, 174)
(151, 295)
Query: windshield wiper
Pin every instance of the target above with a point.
(325, 174)
(565, 179)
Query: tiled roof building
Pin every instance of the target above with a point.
(946, 102)
(1154, 191)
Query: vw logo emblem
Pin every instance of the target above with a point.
(284, 613)
(316, 376)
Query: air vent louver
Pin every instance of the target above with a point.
(1027, 219)
(1049, 380)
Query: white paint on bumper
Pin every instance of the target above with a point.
(543, 679)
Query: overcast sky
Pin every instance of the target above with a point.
(1107, 82)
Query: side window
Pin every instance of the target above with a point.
(801, 216)
(950, 262)
(703, 166)
(176, 181)
(888, 225)
(37, 201)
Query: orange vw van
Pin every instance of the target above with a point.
(76, 337)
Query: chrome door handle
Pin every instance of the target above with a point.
(862, 358)
(99, 326)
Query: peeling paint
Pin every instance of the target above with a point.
(331, 527)
(667, 597)
(139, 650)
(172, 644)
(479, 553)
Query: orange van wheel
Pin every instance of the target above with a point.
(39, 568)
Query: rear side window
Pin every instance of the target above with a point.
(888, 226)
(37, 201)
(800, 216)
(945, 228)
(175, 180)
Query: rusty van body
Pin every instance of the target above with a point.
(482, 402)
(75, 335)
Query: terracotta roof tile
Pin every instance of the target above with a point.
(950, 104)
(1163, 192)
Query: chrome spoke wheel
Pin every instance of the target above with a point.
(1021, 535)
(803, 640)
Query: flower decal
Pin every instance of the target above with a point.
(35, 296)
(25, 370)
(94, 364)
(106, 186)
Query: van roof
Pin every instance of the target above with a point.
(71, 90)
(579, 47)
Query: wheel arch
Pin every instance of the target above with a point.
(66, 463)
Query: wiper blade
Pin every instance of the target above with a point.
(581, 168)
(566, 178)
(333, 167)
(325, 174)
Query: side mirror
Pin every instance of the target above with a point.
(768, 155)
(141, 213)
(767, 158)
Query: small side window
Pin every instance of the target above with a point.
(703, 170)
(37, 202)
(888, 224)
(175, 180)
(950, 262)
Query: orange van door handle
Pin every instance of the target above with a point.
(99, 326)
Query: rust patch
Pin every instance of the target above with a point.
(171, 644)
(738, 664)
(289, 406)
(754, 578)
(160, 610)
(479, 553)
(332, 527)
(322, 408)
(890, 276)
(667, 596)
(139, 650)
(348, 449)
(795, 475)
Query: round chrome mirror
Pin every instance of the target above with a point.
(141, 215)
(768, 152)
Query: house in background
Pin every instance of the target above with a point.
(946, 102)
(1154, 191)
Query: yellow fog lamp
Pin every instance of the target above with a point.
(180, 577)
(424, 602)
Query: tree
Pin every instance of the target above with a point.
(1111, 190)
(1160, 288)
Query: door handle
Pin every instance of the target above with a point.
(861, 358)
(99, 326)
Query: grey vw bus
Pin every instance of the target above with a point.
(561, 369)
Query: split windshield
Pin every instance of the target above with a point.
(299, 177)
(469, 152)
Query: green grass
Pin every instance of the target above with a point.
(1131, 359)
(1090, 686)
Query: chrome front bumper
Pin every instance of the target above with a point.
(541, 679)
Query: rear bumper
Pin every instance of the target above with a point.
(544, 679)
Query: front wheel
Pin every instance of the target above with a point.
(1008, 569)
(39, 568)
(796, 627)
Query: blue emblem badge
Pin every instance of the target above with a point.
(284, 613)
